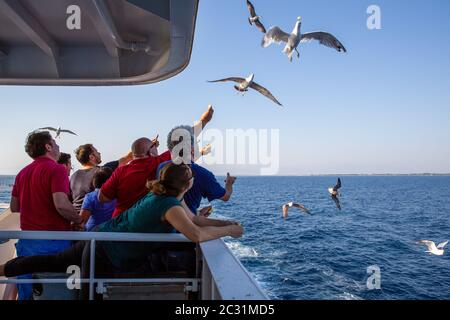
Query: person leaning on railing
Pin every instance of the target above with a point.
(160, 211)
(41, 195)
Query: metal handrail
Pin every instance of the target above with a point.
(93, 237)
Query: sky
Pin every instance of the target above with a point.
(384, 107)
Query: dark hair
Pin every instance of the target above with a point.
(83, 152)
(36, 142)
(173, 180)
(101, 176)
(64, 158)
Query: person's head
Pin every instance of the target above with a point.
(176, 136)
(88, 155)
(66, 160)
(141, 148)
(42, 144)
(174, 180)
(101, 176)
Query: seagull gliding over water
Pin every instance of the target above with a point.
(335, 193)
(295, 205)
(432, 248)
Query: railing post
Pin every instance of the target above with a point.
(92, 270)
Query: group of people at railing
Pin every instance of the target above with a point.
(143, 192)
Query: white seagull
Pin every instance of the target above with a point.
(244, 84)
(295, 205)
(58, 131)
(432, 248)
(275, 34)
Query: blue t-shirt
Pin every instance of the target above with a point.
(100, 212)
(205, 186)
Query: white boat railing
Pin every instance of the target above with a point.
(93, 237)
(223, 276)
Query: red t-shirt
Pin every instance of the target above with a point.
(128, 183)
(34, 187)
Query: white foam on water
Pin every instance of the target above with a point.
(241, 251)
(348, 296)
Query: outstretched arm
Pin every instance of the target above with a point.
(177, 217)
(202, 221)
(204, 119)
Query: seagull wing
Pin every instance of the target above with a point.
(234, 79)
(430, 244)
(275, 34)
(324, 38)
(260, 26)
(251, 9)
(68, 131)
(337, 202)
(338, 185)
(301, 207)
(285, 210)
(264, 92)
(442, 245)
(48, 128)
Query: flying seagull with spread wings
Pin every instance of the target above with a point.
(295, 205)
(254, 18)
(292, 40)
(334, 192)
(432, 248)
(58, 131)
(244, 84)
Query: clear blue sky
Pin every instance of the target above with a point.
(383, 107)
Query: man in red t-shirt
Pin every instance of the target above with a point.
(41, 195)
(128, 183)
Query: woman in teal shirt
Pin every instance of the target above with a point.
(160, 211)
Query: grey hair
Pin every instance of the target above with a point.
(171, 144)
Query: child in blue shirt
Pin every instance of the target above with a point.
(93, 212)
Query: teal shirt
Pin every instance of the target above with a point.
(144, 217)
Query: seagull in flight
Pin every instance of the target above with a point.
(254, 18)
(244, 84)
(334, 192)
(432, 248)
(292, 40)
(295, 205)
(58, 131)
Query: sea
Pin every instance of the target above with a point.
(368, 250)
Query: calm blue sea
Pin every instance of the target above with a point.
(6, 183)
(326, 255)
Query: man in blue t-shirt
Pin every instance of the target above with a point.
(205, 183)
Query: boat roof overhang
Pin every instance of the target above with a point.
(94, 42)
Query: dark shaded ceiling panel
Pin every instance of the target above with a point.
(120, 42)
(158, 7)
